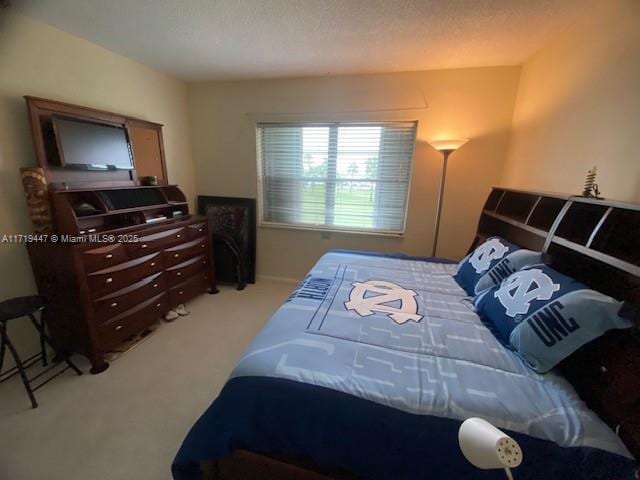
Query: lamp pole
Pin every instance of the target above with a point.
(446, 153)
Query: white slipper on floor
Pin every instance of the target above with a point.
(171, 315)
(181, 310)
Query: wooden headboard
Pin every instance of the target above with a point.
(598, 243)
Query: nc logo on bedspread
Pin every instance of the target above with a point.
(522, 288)
(486, 253)
(384, 294)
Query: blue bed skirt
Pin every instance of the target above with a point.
(337, 431)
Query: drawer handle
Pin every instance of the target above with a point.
(199, 230)
(144, 245)
(180, 292)
(119, 327)
(202, 245)
(108, 280)
(108, 256)
(158, 305)
(178, 236)
(204, 262)
(152, 264)
(176, 255)
(155, 285)
(178, 274)
(113, 305)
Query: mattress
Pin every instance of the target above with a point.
(396, 339)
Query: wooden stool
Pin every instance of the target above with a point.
(26, 307)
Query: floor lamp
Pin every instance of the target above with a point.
(446, 147)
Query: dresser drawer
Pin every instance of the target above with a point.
(132, 321)
(197, 230)
(184, 270)
(189, 289)
(180, 253)
(103, 257)
(120, 276)
(111, 305)
(156, 241)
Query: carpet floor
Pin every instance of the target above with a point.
(128, 422)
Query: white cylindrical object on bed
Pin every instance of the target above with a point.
(487, 447)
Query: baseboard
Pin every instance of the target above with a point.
(278, 279)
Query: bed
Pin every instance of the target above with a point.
(371, 365)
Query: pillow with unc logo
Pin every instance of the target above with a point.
(546, 316)
(492, 262)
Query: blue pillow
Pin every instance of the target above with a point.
(492, 262)
(546, 316)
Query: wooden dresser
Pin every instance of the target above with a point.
(114, 255)
(107, 280)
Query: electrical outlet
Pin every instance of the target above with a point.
(325, 235)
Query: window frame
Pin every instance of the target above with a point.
(330, 193)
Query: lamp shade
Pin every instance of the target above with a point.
(448, 144)
(486, 447)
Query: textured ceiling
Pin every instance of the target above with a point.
(233, 39)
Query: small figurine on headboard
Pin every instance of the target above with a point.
(590, 186)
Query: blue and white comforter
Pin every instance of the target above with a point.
(400, 334)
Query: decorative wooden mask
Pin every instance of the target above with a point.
(37, 194)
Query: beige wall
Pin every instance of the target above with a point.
(36, 59)
(469, 103)
(578, 105)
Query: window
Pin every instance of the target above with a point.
(335, 176)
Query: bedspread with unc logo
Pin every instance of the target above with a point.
(402, 333)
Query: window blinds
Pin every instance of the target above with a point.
(335, 176)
